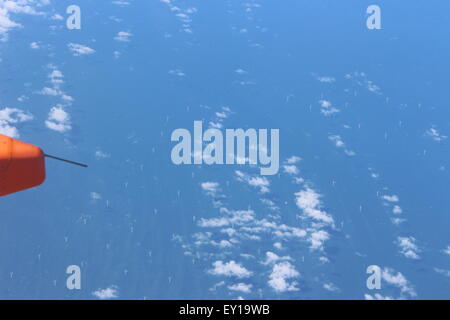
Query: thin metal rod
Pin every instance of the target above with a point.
(65, 160)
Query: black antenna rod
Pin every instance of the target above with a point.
(65, 160)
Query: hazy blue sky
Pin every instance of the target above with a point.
(363, 118)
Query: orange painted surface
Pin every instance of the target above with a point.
(22, 165)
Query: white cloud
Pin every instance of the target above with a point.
(326, 79)
(216, 125)
(270, 204)
(397, 209)
(95, 195)
(58, 120)
(213, 222)
(232, 217)
(372, 87)
(293, 160)
(35, 45)
(278, 245)
(7, 8)
(121, 3)
(361, 79)
(435, 135)
(337, 140)
(11, 116)
(273, 257)
(443, 272)
(108, 293)
(397, 221)
(55, 74)
(123, 36)
(376, 296)
(408, 247)
(330, 287)
(318, 238)
(308, 201)
(177, 72)
(230, 269)
(101, 154)
(221, 115)
(284, 232)
(217, 285)
(398, 280)
(340, 144)
(447, 250)
(290, 169)
(325, 103)
(281, 273)
(240, 71)
(50, 91)
(262, 183)
(211, 188)
(57, 16)
(79, 50)
(392, 198)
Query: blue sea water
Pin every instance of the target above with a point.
(135, 223)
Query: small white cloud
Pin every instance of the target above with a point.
(340, 144)
(221, 115)
(443, 272)
(317, 239)
(35, 45)
(121, 3)
(291, 169)
(108, 293)
(57, 16)
(278, 245)
(326, 79)
(281, 273)
(58, 120)
(392, 198)
(330, 287)
(95, 196)
(397, 221)
(308, 201)
(101, 154)
(240, 71)
(408, 247)
(397, 209)
(213, 222)
(211, 188)
(325, 103)
(435, 135)
(293, 160)
(377, 296)
(373, 87)
(79, 50)
(123, 36)
(230, 269)
(398, 280)
(216, 125)
(262, 183)
(11, 116)
(337, 140)
(50, 91)
(447, 250)
(273, 258)
(177, 72)
(15, 7)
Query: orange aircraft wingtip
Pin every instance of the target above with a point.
(22, 165)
